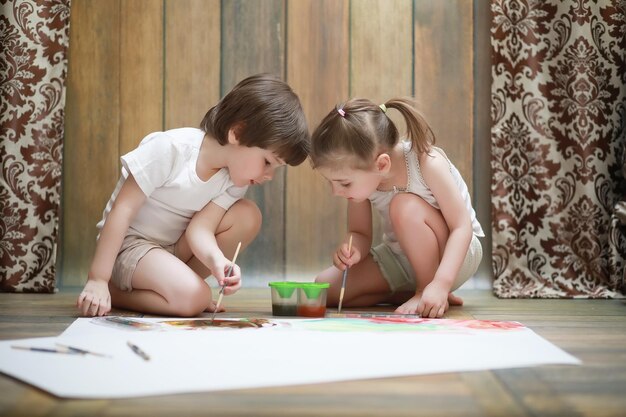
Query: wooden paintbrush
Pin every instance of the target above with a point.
(230, 271)
(343, 279)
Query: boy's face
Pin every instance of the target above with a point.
(253, 165)
(352, 184)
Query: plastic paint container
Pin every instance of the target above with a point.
(305, 299)
(284, 298)
(312, 299)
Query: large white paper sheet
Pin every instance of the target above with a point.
(304, 352)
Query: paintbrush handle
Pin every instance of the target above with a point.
(228, 274)
(340, 300)
(219, 299)
(343, 289)
(217, 306)
(344, 277)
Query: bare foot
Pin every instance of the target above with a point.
(453, 300)
(410, 306)
(211, 307)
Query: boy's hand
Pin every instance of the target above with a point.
(233, 282)
(95, 299)
(343, 259)
(434, 301)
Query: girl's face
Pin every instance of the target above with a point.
(252, 165)
(353, 184)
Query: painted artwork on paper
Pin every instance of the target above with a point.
(374, 323)
(131, 323)
(199, 324)
(178, 354)
(128, 323)
(406, 324)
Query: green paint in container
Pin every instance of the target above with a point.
(284, 298)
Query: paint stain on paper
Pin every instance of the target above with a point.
(199, 324)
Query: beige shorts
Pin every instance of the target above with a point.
(133, 249)
(399, 274)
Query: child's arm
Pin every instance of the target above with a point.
(436, 173)
(95, 299)
(360, 227)
(201, 237)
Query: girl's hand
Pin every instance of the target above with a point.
(95, 299)
(434, 301)
(343, 259)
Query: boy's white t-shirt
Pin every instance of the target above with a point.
(164, 167)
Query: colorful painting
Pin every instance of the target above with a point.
(200, 324)
(276, 352)
(288, 352)
(348, 323)
(388, 323)
(131, 323)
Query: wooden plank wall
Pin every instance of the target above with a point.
(136, 66)
(318, 69)
(253, 41)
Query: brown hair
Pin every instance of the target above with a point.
(266, 113)
(357, 131)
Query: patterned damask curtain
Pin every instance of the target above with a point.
(33, 65)
(558, 138)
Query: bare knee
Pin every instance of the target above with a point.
(190, 301)
(406, 209)
(410, 215)
(190, 309)
(247, 217)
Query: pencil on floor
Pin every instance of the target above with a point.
(46, 350)
(138, 351)
(82, 351)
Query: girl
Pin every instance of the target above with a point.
(430, 245)
(178, 209)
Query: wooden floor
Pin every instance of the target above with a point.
(592, 330)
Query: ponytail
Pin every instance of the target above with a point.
(418, 130)
(354, 132)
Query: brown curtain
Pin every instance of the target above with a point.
(33, 64)
(558, 137)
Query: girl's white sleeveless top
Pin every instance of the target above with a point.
(416, 185)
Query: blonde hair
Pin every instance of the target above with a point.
(354, 133)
